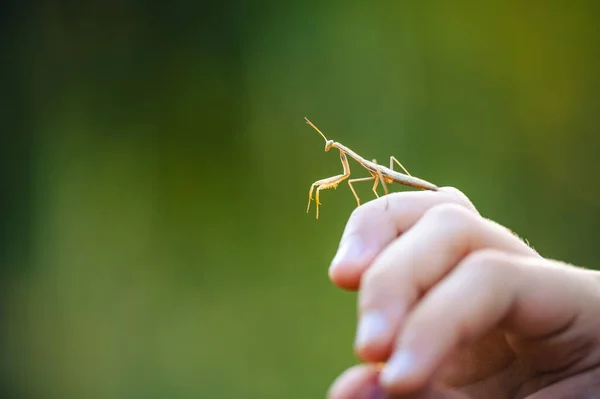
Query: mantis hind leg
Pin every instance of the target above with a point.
(392, 160)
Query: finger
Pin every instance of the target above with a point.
(374, 225)
(357, 382)
(414, 263)
(528, 296)
(583, 385)
(361, 382)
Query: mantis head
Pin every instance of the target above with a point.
(328, 145)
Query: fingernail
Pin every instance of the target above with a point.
(399, 366)
(372, 325)
(351, 248)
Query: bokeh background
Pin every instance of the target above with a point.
(155, 168)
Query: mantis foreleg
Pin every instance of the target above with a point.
(330, 182)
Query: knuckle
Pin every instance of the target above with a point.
(362, 212)
(461, 197)
(369, 213)
(448, 211)
(487, 262)
(451, 216)
(372, 277)
(372, 285)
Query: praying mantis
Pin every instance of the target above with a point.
(379, 173)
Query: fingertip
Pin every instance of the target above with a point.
(374, 336)
(350, 261)
(372, 352)
(346, 275)
(358, 382)
(402, 374)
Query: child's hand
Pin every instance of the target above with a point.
(459, 307)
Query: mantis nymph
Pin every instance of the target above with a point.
(379, 173)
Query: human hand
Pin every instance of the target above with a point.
(460, 307)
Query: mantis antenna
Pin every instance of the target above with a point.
(314, 127)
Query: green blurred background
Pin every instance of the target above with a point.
(155, 168)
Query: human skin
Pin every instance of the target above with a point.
(460, 307)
